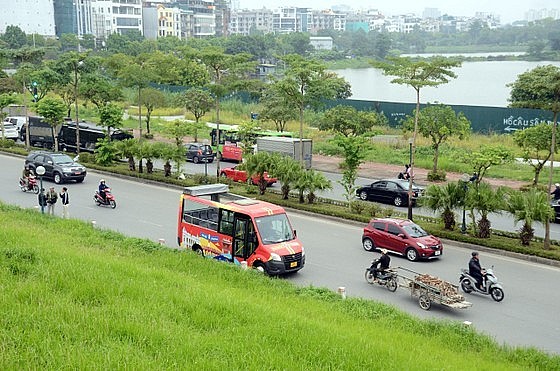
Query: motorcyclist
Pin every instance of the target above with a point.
(476, 271)
(26, 174)
(556, 192)
(381, 264)
(102, 187)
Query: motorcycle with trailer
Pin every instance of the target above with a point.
(109, 199)
(491, 285)
(387, 277)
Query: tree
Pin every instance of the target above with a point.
(277, 109)
(445, 199)
(439, 123)
(349, 122)
(307, 83)
(228, 73)
(110, 116)
(151, 99)
(353, 149)
(69, 41)
(485, 200)
(198, 102)
(128, 148)
(316, 181)
(540, 88)
(257, 164)
(417, 74)
(14, 37)
(488, 156)
(99, 89)
(177, 129)
(531, 206)
(535, 142)
(53, 111)
(287, 170)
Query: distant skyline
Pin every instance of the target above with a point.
(508, 10)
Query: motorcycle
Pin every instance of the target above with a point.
(109, 199)
(491, 286)
(31, 185)
(387, 278)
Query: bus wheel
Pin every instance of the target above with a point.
(198, 250)
(259, 267)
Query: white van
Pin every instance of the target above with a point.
(18, 121)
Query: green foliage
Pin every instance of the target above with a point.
(105, 152)
(348, 121)
(536, 144)
(538, 88)
(198, 102)
(530, 206)
(110, 116)
(353, 153)
(445, 199)
(14, 37)
(358, 207)
(258, 164)
(437, 176)
(488, 156)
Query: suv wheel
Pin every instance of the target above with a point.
(368, 244)
(195, 159)
(411, 254)
(57, 178)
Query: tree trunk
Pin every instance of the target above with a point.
(149, 166)
(140, 167)
(167, 168)
(131, 164)
(436, 158)
(484, 227)
(285, 191)
(526, 234)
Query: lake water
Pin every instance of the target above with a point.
(477, 84)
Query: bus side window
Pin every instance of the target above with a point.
(226, 222)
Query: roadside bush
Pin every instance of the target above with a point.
(358, 207)
(374, 210)
(437, 176)
(87, 157)
(7, 143)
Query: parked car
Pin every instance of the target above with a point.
(393, 191)
(10, 131)
(241, 176)
(18, 121)
(58, 166)
(199, 152)
(402, 237)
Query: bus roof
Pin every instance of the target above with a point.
(255, 208)
(206, 189)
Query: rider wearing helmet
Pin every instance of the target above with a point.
(382, 263)
(475, 270)
(102, 188)
(26, 174)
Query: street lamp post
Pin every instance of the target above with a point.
(40, 170)
(410, 179)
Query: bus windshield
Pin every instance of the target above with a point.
(274, 229)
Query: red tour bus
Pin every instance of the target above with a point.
(237, 230)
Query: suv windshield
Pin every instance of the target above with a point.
(274, 229)
(414, 230)
(62, 159)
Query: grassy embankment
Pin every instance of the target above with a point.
(76, 297)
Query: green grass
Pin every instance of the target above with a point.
(84, 298)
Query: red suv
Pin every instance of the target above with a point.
(241, 176)
(403, 237)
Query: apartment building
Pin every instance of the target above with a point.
(32, 16)
(243, 22)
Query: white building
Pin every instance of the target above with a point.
(32, 16)
(243, 22)
(116, 16)
(321, 43)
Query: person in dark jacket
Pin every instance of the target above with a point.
(101, 189)
(475, 270)
(382, 263)
(556, 192)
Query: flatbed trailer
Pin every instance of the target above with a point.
(430, 289)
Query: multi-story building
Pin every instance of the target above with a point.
(291, 19)
(327, 20)
(115, 16)
(32, 16)
(243, 22)
(161, 21)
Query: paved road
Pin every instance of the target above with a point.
(527, 316)
(503, 222)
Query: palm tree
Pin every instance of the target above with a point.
(316, 181)
(287, 170)
(531, 206)
(128, 148)
(445, 199)
(484, 200)
(257, 164)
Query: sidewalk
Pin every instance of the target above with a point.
(374, 170)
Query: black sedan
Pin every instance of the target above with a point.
(392, 191)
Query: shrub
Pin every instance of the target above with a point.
(7, 143)
(87, 157)
(437, 176)
(374, 210)
(358, 207)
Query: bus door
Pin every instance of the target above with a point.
(245, 238)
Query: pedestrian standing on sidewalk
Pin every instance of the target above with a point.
(52, 197)
(65, 200)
